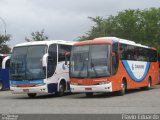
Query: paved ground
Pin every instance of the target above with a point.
(135, 101)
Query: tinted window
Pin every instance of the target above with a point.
(62, 49)
(99, 61)
(26, 62)
(52, 60)
(90, 61)
(153, 55)
(129, 52)
(79, 61)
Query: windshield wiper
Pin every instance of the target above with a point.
(17, 76)
(81, 69)
(92, 66)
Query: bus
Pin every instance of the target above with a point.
(159, 65)
(4, 71)
(39, 67)
(109, 64)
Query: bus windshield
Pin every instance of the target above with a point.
(90, 61)
(26, 62)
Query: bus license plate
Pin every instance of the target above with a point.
(88, 89)
(26, 90)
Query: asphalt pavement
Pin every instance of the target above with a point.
(134, 101)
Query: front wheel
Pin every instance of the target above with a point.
(1, 86)
(31, 95)
(123, 89)
(61, 90)
(149, 85)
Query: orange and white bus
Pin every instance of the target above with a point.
(110, 64)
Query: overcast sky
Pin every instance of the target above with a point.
(61, 19)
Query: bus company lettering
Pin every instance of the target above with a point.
(137, 66)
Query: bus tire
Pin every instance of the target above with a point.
(61, 89)
(31, 95)
(89, 94)
(149, 84)
(123, 88)
(1, 86)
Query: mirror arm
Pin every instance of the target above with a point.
(44, 60)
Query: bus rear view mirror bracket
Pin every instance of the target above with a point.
(4, 62)
(67, 57)
(113, 54)
(44, 60)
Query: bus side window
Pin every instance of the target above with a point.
(62, 50)
(153, 55)
(123, 52)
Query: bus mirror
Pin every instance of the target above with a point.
(4, 65)
(113, 54)
(67, 56)
(44, 60)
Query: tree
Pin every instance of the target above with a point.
(142, 26)
(4, 49)
(37, 36)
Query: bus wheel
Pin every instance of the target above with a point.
(1, 86)
(32, 95)
(89, 94)
(123, 88)
(149, 84)
(61, 89)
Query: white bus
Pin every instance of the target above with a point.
(39, 67)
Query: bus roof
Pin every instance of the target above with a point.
(46, 42)
(124, 41)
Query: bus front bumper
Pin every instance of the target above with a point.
(93, 88)
(25, 90)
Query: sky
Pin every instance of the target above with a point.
(60, 19)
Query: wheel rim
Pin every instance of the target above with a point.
(123, 87)
(149, 84)
(61, 89)
(1, 86)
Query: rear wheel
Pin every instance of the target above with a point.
(123, 88)
(89, 94)
(1, 86)
(32, 95)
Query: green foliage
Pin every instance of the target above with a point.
(37, 36)
(4, 49)
(142, 26)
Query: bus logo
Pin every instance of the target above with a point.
(136, 69)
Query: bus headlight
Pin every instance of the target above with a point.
(42, 84)
(13, 85)
(105, 82)
(74, 83)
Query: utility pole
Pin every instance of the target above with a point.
(4, 25)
